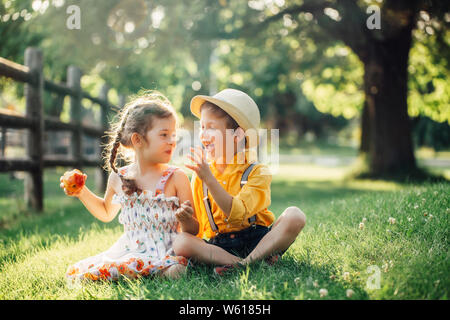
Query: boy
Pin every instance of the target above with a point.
(233, 214)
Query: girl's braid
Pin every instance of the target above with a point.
(128, 185)
(116, 144)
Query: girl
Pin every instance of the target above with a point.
(148, 192)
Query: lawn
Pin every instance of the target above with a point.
(399, 252)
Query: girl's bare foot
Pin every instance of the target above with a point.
(175, 271)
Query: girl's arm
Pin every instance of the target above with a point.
(185, 214)
(102, 209)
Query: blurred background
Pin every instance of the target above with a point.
(357, 84)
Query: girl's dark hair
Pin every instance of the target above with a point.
(136, 116)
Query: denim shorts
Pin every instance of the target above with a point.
(240, 243)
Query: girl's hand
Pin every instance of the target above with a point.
(72, 182)
(68, 193)
(185, 212)
(201, 167)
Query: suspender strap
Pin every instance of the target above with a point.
(206, 202)
(244, 178)
(208, 208)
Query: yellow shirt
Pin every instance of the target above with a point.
(253, 198)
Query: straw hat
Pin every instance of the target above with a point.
(236, 103)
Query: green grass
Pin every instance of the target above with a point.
(332, 252)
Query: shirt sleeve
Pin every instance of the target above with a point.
(253, 197)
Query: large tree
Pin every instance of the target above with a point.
(384, 52)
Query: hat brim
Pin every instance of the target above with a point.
(233, 111)
(196, 104)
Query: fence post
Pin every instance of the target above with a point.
(3, 145)
(102, 175)
(73, 82)
(34, 185)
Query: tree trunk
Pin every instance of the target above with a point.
(365, 130)
(386, 125)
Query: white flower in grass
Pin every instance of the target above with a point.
(349, 293)
(410, 219)
(392, 220)
(346, 276)
(316, 284)
(361, 226)
(364, 220)
(387, 265)
(323, 293)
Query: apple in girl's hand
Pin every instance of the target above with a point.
(73, 181)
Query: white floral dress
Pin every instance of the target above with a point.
(145, 248)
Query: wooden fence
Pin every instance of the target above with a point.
(37, 123)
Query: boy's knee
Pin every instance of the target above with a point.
(296, 219)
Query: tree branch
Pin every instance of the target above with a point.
(250, 30)
(351, 28)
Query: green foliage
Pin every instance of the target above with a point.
(429, 88)
(187, 48)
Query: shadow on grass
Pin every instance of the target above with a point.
(41, 230)
(67, 218)
(289, 279)
(403, 175)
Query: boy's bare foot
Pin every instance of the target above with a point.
(228, 268)
(271, 260)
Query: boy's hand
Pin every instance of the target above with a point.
(201, 167)
(184, 212)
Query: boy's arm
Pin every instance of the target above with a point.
(253, 197)
(221, 196)
(223, 199)
(102, 209)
